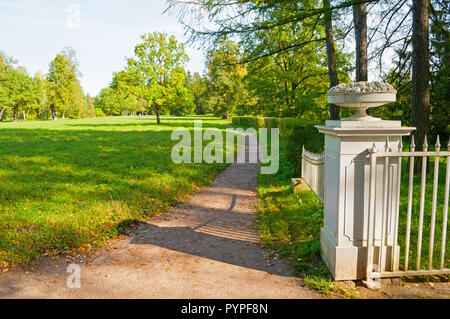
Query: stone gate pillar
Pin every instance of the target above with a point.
(346, 193)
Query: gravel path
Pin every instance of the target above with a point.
(208, 248)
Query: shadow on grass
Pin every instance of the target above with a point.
(64, 188)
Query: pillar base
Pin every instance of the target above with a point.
(344, 263)
(350, 262)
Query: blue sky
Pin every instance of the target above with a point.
(33, 32)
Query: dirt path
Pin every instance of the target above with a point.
(208, 248)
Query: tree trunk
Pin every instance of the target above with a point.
(360, 22)
(16, 114)
(1, 113)
(158, 119)
(420, 71)
(24, 117)
(331, 57)
(53, 109)
(64, 114)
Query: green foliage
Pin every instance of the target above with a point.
(291, 83)
(18, 91)
(227, 89)
(64, 93)
(186, 104)
(440, 70)
(113, 101)
(248, 121)
(198, 86)
(155, 74)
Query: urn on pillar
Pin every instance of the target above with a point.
(346, 192)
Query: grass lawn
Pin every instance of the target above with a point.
(74, 183)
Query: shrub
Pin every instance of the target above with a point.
(248, 121)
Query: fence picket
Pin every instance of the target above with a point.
(444, 223)
(371, 213)
(410, 194)
(394, 264)
(384, 212)
(433, 209)
(422, 203)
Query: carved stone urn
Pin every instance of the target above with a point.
(361, 96)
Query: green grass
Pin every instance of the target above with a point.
(74, 183)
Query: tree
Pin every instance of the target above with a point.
(156, 74)
(242, 19)
(288, 83)
(227, 89)
(113, 101)
(420, 70)
(360, 22)
(18, 90)
(89, 109)
(6, 63)
(331, 56)
(186, 103)
(440, 70)
(199, 88)
(64, 92)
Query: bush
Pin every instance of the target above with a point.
(248, 121)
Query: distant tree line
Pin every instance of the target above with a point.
(58, 94)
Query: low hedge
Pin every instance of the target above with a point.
(294, 134)
(248, 121)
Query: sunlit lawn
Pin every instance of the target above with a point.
(74, 183)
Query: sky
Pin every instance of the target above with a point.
(102, 32)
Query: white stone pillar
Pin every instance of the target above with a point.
(344, 234)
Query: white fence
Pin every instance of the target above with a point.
(313, 170)
(387, 261)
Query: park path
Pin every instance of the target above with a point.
(207, 248)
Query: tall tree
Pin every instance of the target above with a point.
(18, 91)
(292, 82)
(420, 70)
(360, 22)
(6, 63)
(199, 88)
(331, 56)
(156, 73)
(64, 93)
(227, 89)
(242, 19)
(113, 101)
(440, 69)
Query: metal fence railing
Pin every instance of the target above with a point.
(383, 253)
